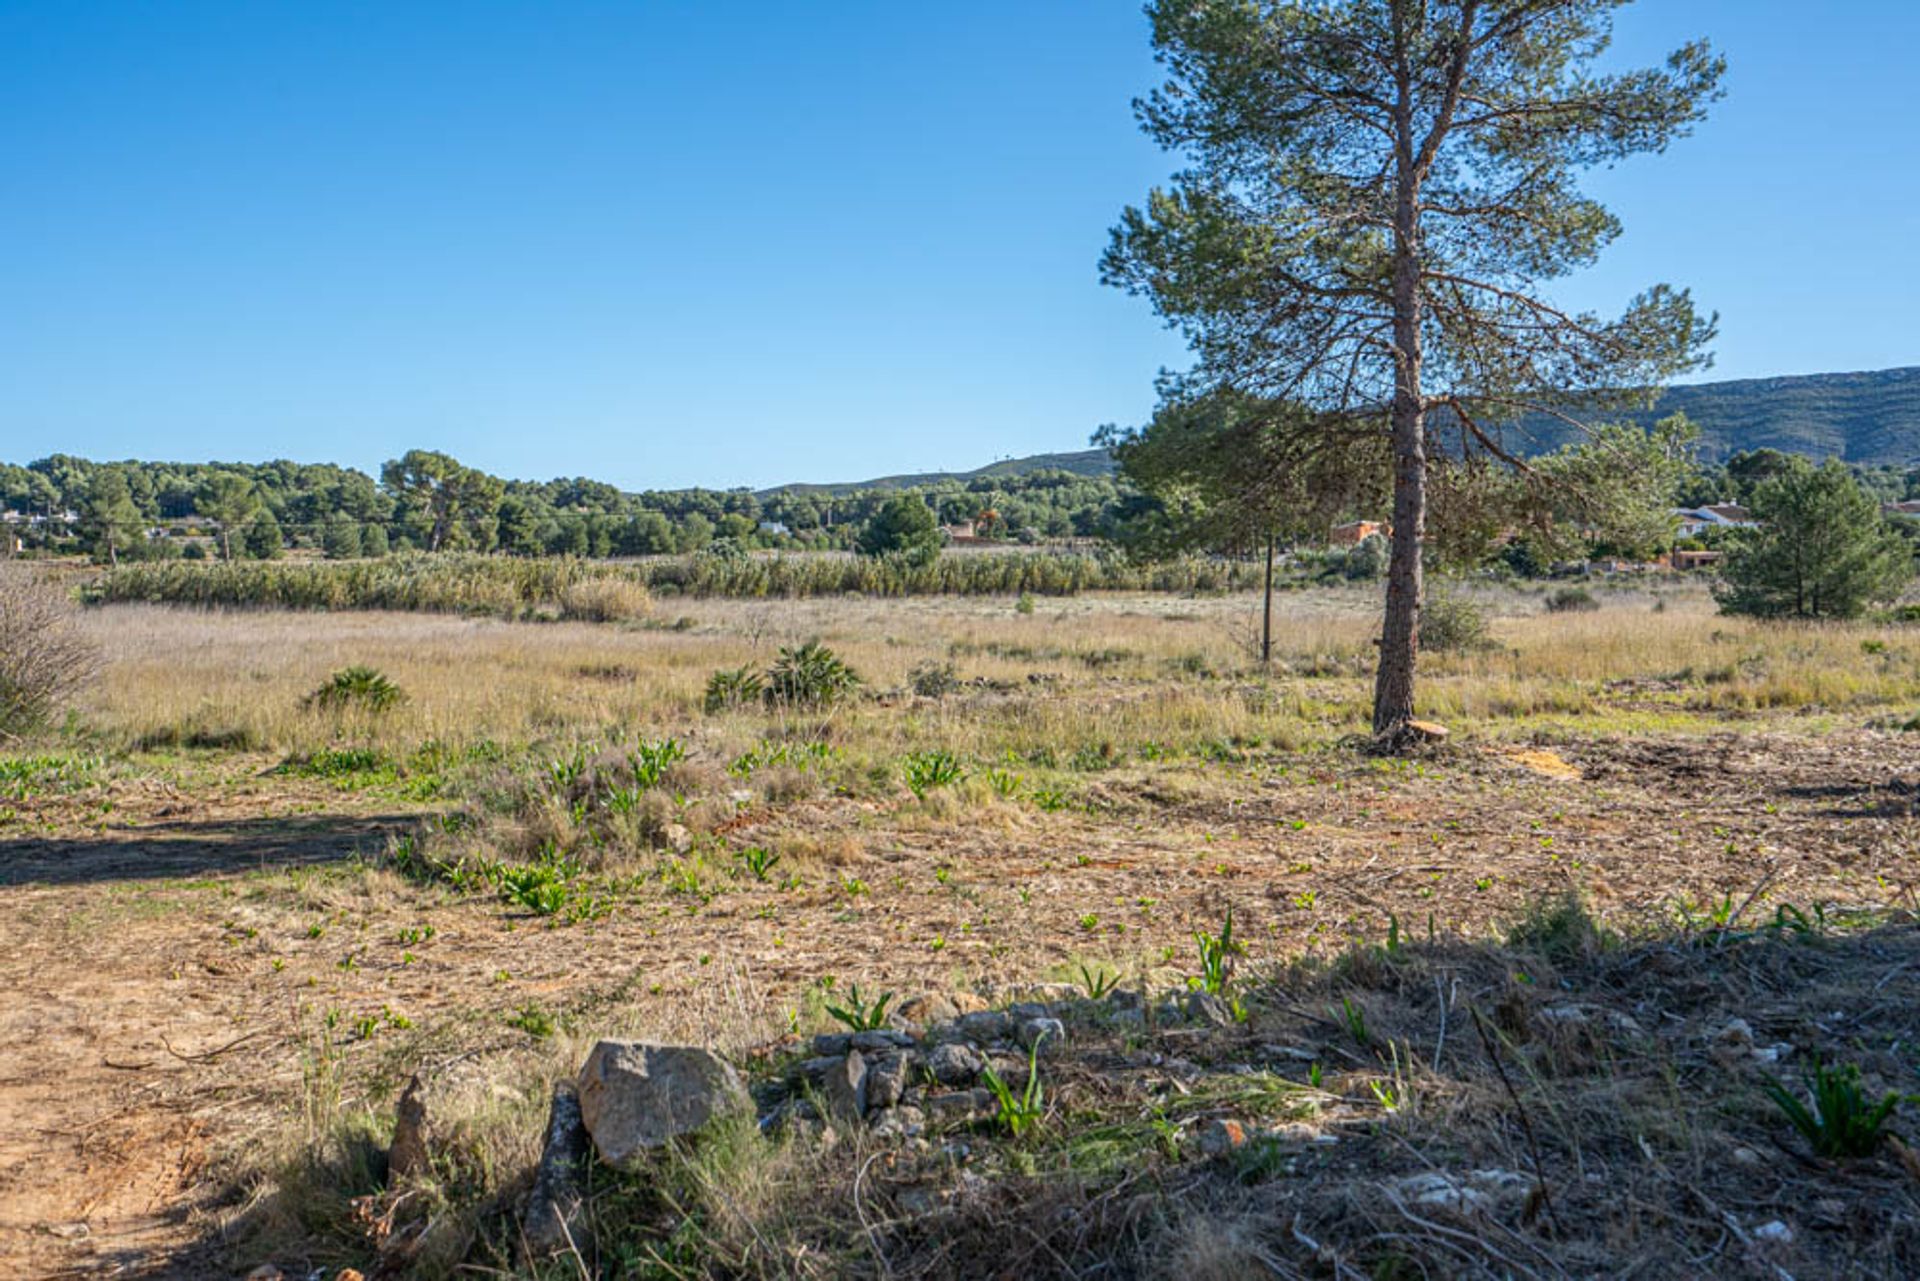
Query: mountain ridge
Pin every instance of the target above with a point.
(1871, 417)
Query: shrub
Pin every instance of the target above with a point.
(605, 600)
(1452, 625)
(44, 659)
(356, 688)
(933, 680)
(731, 688)
(903, 527)
(811, 675)
(1571, 600)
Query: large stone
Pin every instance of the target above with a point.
(955, 1063)
(553, 1218)
(636, 1097)
(846, 1088)
(887, 1080)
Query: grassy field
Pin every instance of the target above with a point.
(241, 918)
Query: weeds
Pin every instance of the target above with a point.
(1016, 1114)
(927, 770)
(1843, 1121)
(356, 688)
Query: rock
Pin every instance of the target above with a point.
(1774, 1231)
(985, 1025)
(846, 1088)
(1737, 1032)
(816, 1070)
(1122, 999)
(409, 1156)
(887, 1081)
(938, 1007)
(1206, 1007)
(1020, 1011)
(1221, 1136)
(1747, 1158)
(955, 1063)
(1048, 1032)
(957, 1104)
(636, 1096)
(880, 1040)
(676, 837)
(905, 1123)
(266, 1272)
(832, 1044)
(552, 1221)
(1480, 1190)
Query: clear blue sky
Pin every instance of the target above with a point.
(719, 242)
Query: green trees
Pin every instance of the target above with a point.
(1374, 190)
(449, 505)
(903, 527)
(109, 520)
(229, 501)
(340, 539)
(264, 540)
(1823, 549)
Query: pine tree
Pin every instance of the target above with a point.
(1822, 550)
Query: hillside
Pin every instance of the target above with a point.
(1871, 418)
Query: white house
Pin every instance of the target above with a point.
(1697, 520)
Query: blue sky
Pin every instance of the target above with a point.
(719, 242)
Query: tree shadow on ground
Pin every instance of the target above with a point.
(1896, 798)
(189, 849)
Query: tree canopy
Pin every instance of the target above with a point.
(1822, 550)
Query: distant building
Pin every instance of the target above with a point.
(776, 527)
(1355, 532)
(963, 531)
(1695, 559)
(1909, 510)
(1697, 520)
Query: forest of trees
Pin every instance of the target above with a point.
(428, 501)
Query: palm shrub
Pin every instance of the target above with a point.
(356, 688)
(732, 688)
(810, 675)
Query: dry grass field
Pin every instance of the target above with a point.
(237, 922)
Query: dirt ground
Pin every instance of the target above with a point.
(171, 954)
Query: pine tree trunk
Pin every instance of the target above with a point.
(1400, 636)
(1266, 613)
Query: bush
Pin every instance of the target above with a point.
(1452, 625)
(362, 688)
(44, 659)
(809, 676)
(1571, 600)
(934, 680)
(605, 600)
(732, 688)
(904, 527)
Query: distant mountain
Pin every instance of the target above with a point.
(1871, 418)
(1081, 462)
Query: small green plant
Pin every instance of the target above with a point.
(859, 1014)
(1217, 953)
(1097, 982)
(1018, 1113)
(534, 1021)
(1023, 605)
(759, 860)
(356, 688)
(927, 770)
(732, 688)
(1843, 1120)
(649, 761)
(1354, 1018)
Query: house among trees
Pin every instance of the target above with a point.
(1908, 510)
(1697, 520)
(1355, 532)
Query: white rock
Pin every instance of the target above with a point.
(636, 1096)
